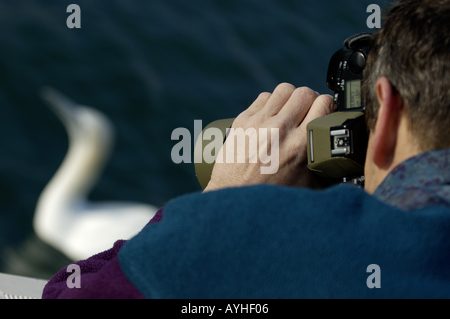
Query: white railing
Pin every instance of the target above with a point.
(18, 287)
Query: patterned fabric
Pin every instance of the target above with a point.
(420, 181)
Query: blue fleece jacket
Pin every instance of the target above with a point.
(280, 242)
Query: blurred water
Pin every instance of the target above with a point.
(151, 66)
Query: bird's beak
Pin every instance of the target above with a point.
(60, 104)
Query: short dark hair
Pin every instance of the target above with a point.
(412, 51)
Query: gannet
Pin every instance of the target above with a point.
(64, 217)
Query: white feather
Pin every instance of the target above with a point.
(64, 218)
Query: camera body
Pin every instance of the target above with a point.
(337, 143)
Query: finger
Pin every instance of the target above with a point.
(278, 99)
(322, 106)
(298, 105)
(258, 104)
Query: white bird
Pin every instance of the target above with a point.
(64, 218)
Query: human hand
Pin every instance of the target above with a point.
(285, 114)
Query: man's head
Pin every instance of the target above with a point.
(407, 86)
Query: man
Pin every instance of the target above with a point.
(267, 241)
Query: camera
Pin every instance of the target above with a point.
(337, 142)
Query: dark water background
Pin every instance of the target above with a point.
(151, 66)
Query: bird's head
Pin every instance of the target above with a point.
(82, 123)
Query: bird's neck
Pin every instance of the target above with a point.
(79, 171)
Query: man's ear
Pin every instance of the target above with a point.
(384, 139)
